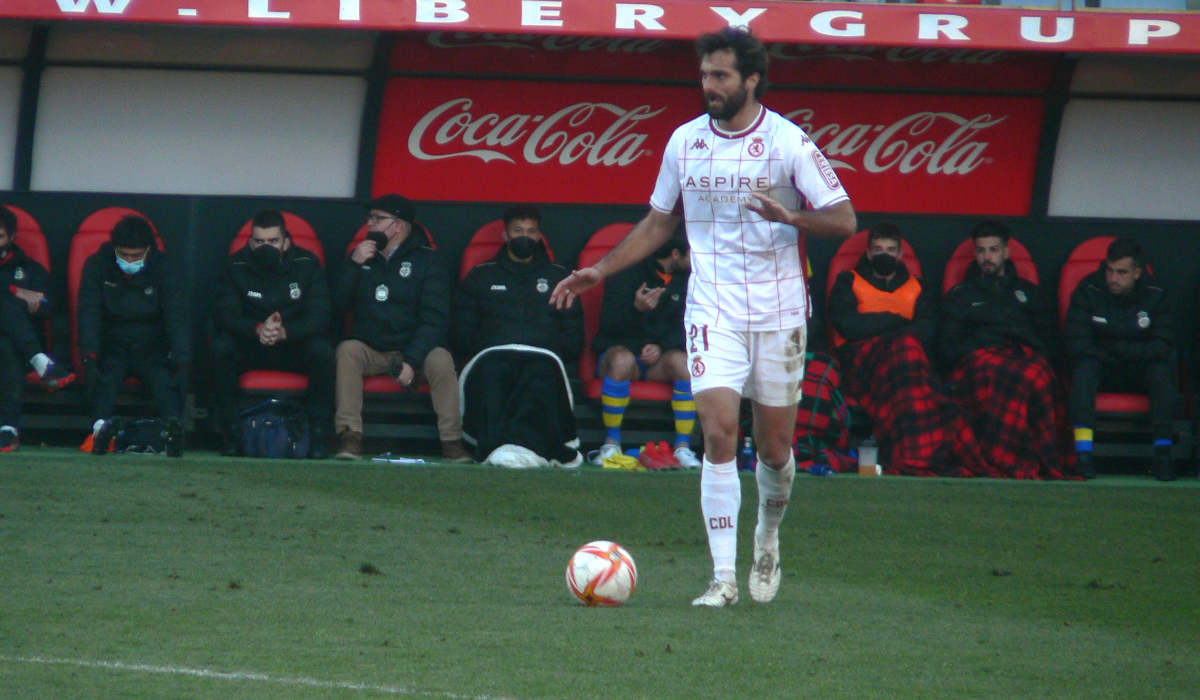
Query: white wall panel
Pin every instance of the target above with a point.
(10, 101)
(1128, 159)
(197, 132)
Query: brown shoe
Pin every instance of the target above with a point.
(455, 451)
(350, 444)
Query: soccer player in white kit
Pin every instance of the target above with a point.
(749, 183)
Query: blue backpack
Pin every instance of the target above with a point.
(275, 429)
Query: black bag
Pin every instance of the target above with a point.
(140, 436)
(274, 429)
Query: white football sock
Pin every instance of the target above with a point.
(40, 362)
(720, 500)
(774, 492)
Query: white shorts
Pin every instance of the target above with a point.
(764, 366)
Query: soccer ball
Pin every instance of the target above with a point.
(601, 573)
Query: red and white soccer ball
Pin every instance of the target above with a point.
(601, 573)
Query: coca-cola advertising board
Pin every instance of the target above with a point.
(649, 58)
(510, 141)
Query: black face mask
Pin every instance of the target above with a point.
(523, 246)
(381, 241)
(884, 264)
(267, 257)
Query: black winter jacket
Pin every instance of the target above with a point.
(399, 303)
(248, 294)
(19, 270)
(852, 325)
(503, 301)
(622, 324)
(989, 312)
(1136, 327)
(144, 311)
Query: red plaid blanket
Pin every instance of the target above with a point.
(921, 431)
(1017, 411)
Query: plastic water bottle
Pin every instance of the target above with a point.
(746, 458)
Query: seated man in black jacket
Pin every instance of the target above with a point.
(272, 312)
(1120, 336)
(887, 319)
(518, 402)
(397, 289)
(640, 338)
(23, 298)
(133, 321)
(997, 337)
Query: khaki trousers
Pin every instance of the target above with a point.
(355, 360)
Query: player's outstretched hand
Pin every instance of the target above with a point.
(768, 208)
(578, 281)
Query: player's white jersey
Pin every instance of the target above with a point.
(746, 271)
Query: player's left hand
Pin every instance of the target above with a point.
(570, 286)
(651, 353)
(768, 208)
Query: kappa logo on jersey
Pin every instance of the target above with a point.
(826, 170)
(697, 367)
(699, 145)
(756, 147)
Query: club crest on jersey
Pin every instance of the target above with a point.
(756, 147)
(19, 273)
(294, 290)
(543, 285)
(405, 268)
(1020, 295)
(699, 145)
(381, 293)
(697, 367)
(826, 170)
(149, 291)
(1143, 320)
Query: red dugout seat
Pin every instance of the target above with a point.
(92, 233)
(597, 247)
(964, 255)
(484, 245)
(1083, 261)
(32, 241)
(846, 258)
(304, 236)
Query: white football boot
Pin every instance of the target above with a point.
(720, 594)
(606, 451)
(765, 574)
(686, 458)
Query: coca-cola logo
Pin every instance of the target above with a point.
(937, 143)
(598, 133)
(549, 42)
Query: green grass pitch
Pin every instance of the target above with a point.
(129, 576)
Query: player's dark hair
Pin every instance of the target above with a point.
(676, 242)
(132, 232)
(8, 221)
(521, 211)
(884, 231)
(270, 218)
(750, 53)
(987, 229)
(1126, 248)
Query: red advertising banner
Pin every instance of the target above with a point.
(892, 24)
(641, 58)
(508, 141)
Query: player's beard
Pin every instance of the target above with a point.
(728, 108)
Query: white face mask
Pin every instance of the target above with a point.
(130, 268)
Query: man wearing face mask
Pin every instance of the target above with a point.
(518, 405)
(397, 288)
(886, 318)
(133, 322)
(23, 299)
(997, 337)
(272, 311)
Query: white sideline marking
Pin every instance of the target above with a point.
(240, 676)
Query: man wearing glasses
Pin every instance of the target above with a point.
(397, 290)
(272, 312)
